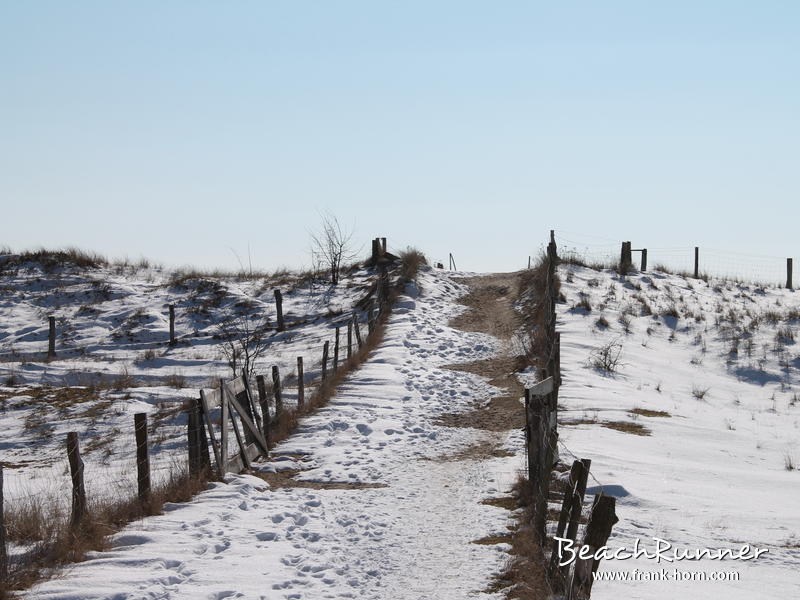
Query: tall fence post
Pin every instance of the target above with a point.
(789, 273)
(172, 340)
(76, 473)
(264, 403)
(644, 260)
(193, 438)
(277, 391)
(697, 262)
(279, 309)
(301, 383)
(349, 339)
(51, 338)
(3, 553)
(142, 458)
(325, 347)
(336, 351)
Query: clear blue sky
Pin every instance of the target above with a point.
(179, 130)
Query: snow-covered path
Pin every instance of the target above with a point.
(406, 536)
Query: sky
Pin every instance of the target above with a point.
(209, 133)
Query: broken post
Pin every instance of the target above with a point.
(142, 458)
(301, 383)
(76, 472)
(279, 309)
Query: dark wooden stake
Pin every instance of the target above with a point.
(789, 273)
(277, 391)
(142, 457)
(696, 262)
(264, 402)
(349, 339)
(3, 553)
(76, 472)
(336, 351)
(279, 308)
(172, 325)
(325, 347)
(357, 330)
(51, 338)
(598, 529)
(371, 316)
(301, 383)
(193, 438)
(644, 260)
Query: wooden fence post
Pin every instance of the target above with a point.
(578, 493)
(789, 273)
(533, 415)
(277, 391)
(697, 262)
(357, 330)
(51, 338)
(3, 553)
(301, 383)
(142, 458)
(193, 439)
(325, 347)
(563, 516)
(601, 520)
(76, 472)
(644, 260)
(171, 324)
(336, 351)
(279, 309)
(349, 339)
(264, 402)
(370, 316)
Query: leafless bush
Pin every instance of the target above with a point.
(244, 340)
(699, 392)
(331, 246)
(607, 357)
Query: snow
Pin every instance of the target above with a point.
(712, 474)
(406, 535)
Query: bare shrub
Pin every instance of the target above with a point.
(331, 246)
(699, 392)
(607, 357)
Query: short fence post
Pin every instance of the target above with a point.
(171, 324)
(264, 402)
(301, 383)
(142, 457)
(3, 553)
(277, 392)
(529, 262)
(51, 338)
(601, 520)
(644, 260)
(325, 347)
(76, 472)
(349, 339)
(336, 351)
(697, 262)
(279, 309)
(789, 273)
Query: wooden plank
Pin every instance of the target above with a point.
(223, 434)
(258, 439)
(542, 388)
(210, 429)
(212, 399)
(236, 386)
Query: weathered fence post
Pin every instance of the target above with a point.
(277, 391)
(264, 402)
(76, 472)
(3, 553)
(349, 339)
(193, 438)
(357, 330)
(563, 517)
(644, 260)
(142, 458)
(171, 324)
(697, 262)
(325, 347)
(371, 316)
(279, 309)
(601, 520)
(301, 383)
(789, 273)
(578, 493)
(336, 351)
(51, 338)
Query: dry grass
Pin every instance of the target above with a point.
(532, 290)
(627, 427)
(644, 412)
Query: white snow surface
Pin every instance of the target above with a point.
(407, 538)
(713, 474)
